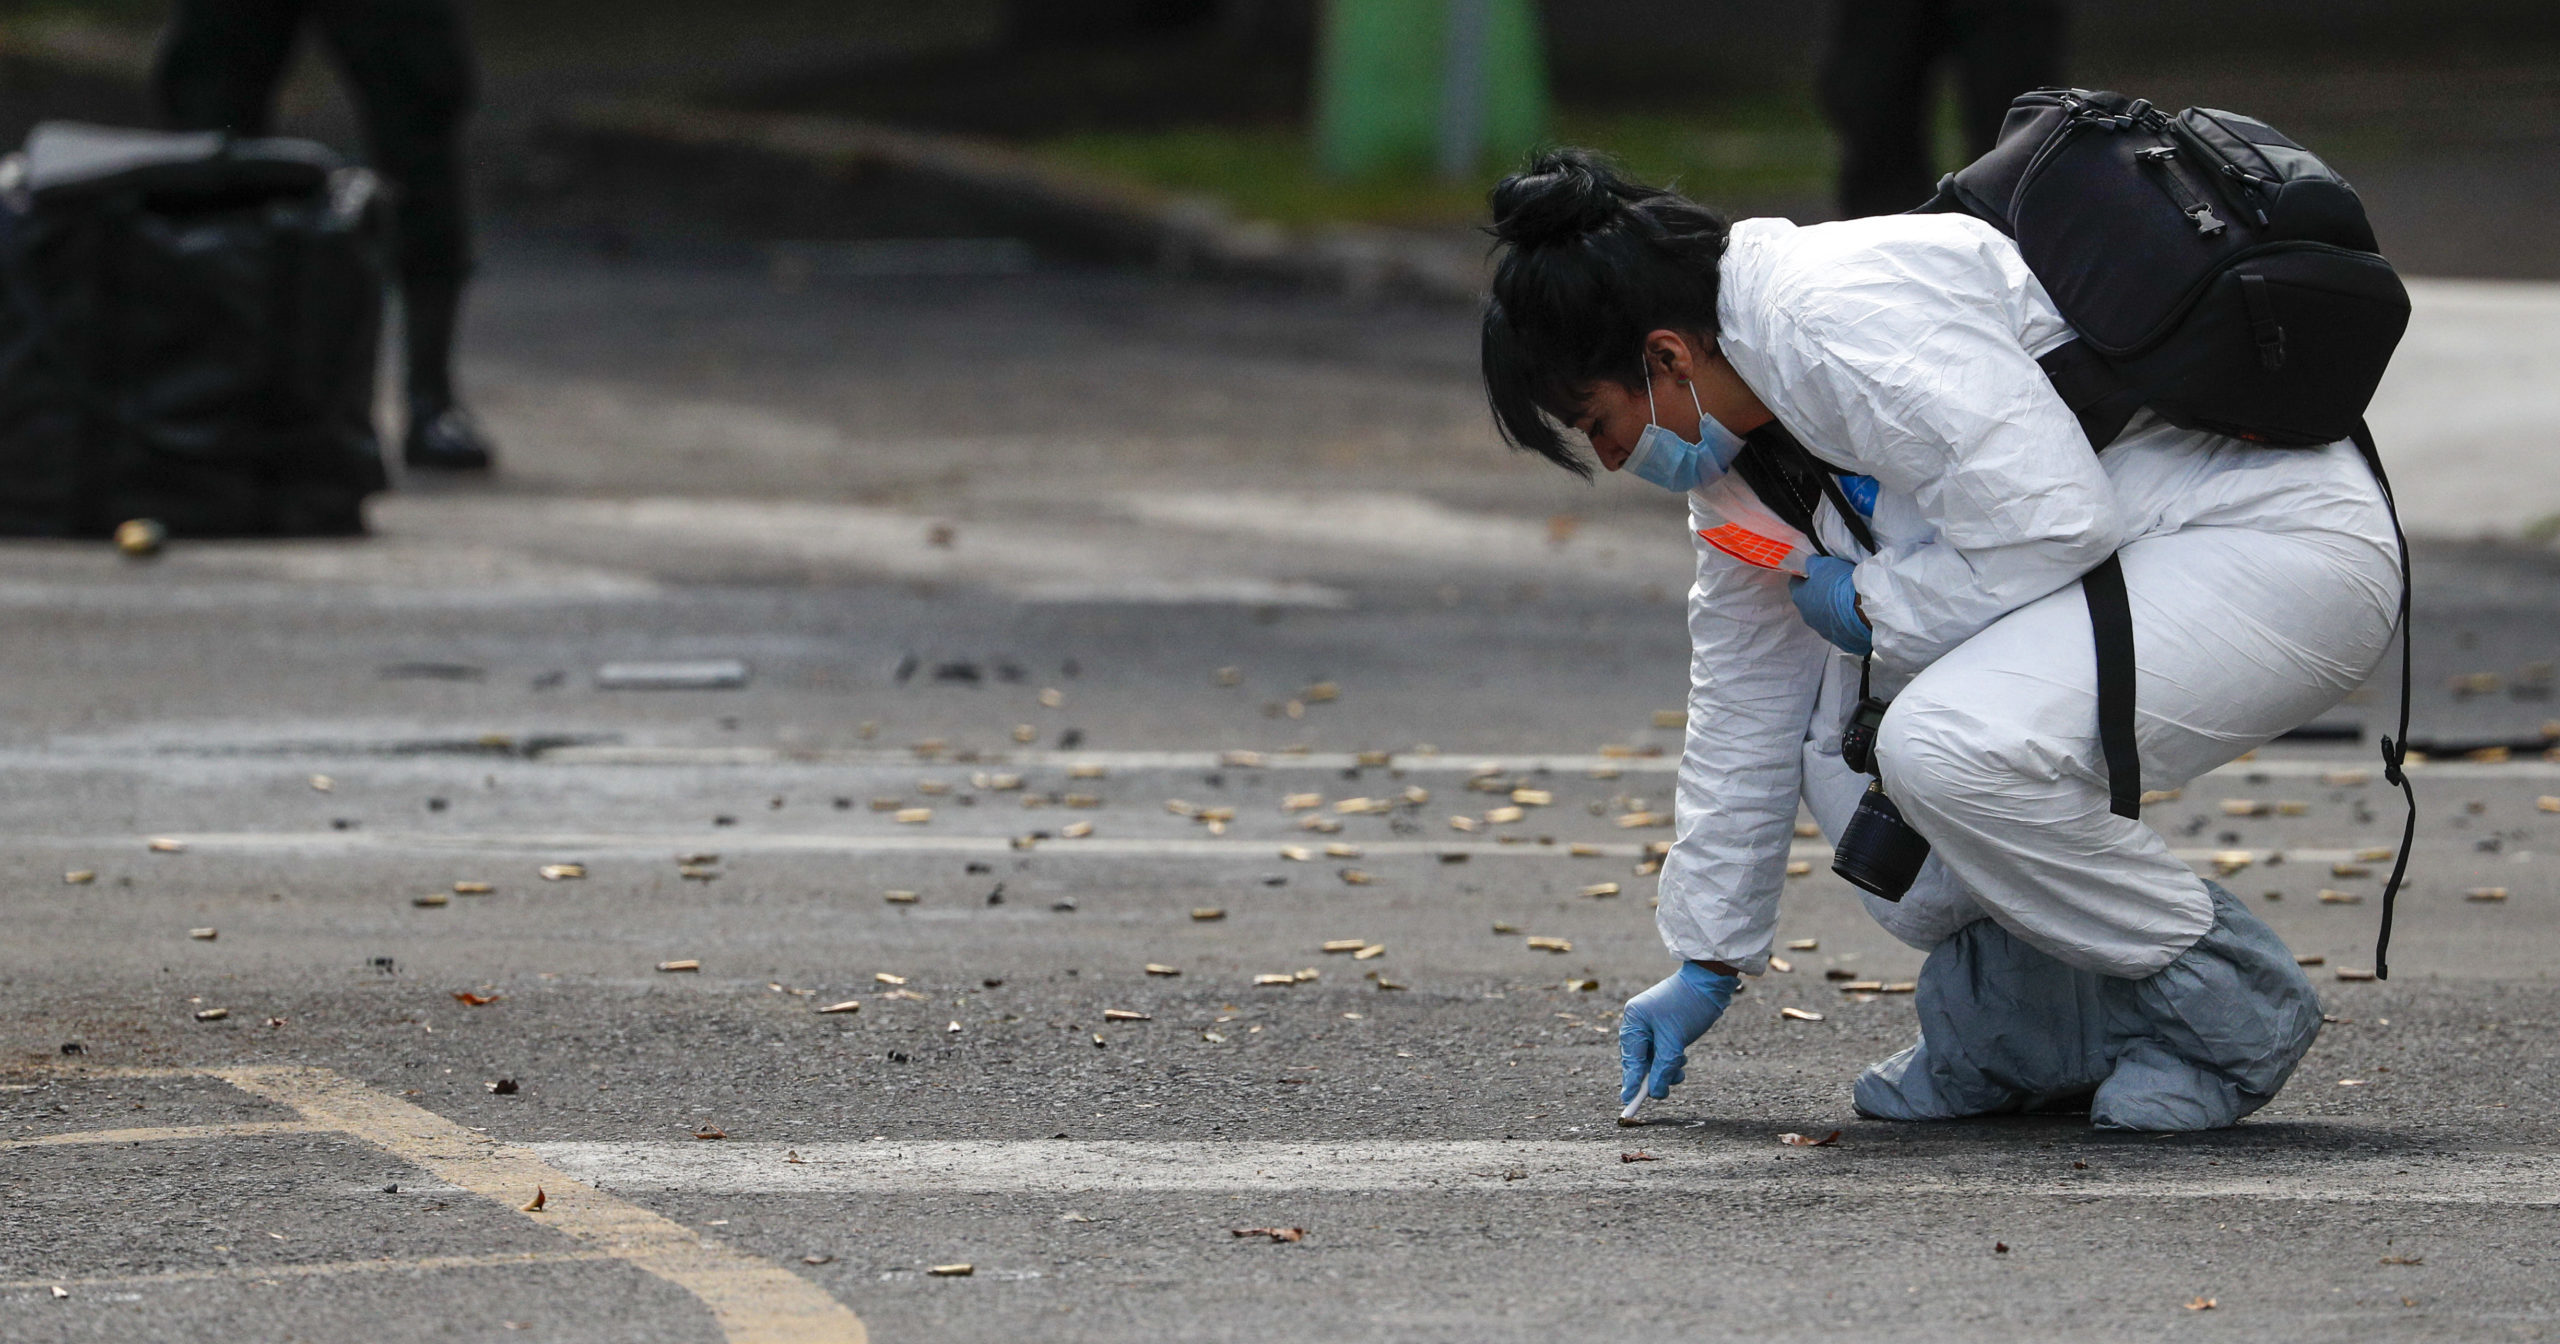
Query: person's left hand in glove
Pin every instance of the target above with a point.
(1657, 1027)
(1828, 599)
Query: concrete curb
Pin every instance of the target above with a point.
(1059, 208)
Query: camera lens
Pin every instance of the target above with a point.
(1879, 852)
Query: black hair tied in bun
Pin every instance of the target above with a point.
(1589, 262)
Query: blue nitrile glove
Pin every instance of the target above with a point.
(1655, 1030)
(1829, 601)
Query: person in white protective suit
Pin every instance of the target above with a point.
(2073, 960)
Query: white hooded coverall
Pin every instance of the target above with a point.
(2263, 583)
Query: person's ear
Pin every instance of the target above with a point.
(1669, 352)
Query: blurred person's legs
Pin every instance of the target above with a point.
(1876, 85)
(409, 64)
(410, 69)
(1875, 89)
(2003, 48)
(220, 61)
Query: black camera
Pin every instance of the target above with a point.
(1878, 851)
(1858, 740)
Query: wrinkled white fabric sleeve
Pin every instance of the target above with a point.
(1755, 669)
(1913, 363)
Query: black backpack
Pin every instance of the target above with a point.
(187, 333)
(2217, 274)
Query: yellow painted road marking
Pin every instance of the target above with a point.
(167, 1134)
(324, 1269)
(755, 1302)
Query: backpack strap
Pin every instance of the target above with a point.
(2093, 390)
(2395, 750)
(2111, 629)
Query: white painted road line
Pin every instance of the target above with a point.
(660, 844)
(1445, 763)
(1063, 1167)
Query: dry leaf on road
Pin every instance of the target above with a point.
(1277, 1234)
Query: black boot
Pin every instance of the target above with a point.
(446, 439)
(442, 436)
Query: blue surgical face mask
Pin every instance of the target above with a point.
(1674, 463)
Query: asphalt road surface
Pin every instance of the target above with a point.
(960, 934)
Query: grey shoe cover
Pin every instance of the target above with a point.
(2197, 1044)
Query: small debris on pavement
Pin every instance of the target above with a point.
(432, 898)
(80, 877)
(470, 1000)
(1343, 944)
(2485, 894)
(1124, 1015)
(709, 1132)
(1370, 953)
(502, 1087)
(685, 964)
(212, 1014)
(1799, 867)
(1601, 890)
(534, 1205)
(165, 845)
(562, 872)
(1276, 1234)
(1207, 913)
(952, 1271)
(322, 783)
(1354, 877)
(899, 897)
(1807, 1141)
(884, 977)
(1781, 965)
(2329, 896)
(848, 1006)
(1804, 944)
(473, 888)
(140, 539)
(1501, 927)
(204, 935)
(2203, 1303)
(912, 816)
(2351, 973)
(1799, 1015)
(818, 1258)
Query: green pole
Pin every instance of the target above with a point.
(1409, 86)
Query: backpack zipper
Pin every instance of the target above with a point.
(2241, 190)
(2163, 162)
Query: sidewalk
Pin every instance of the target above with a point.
(2469, 416)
